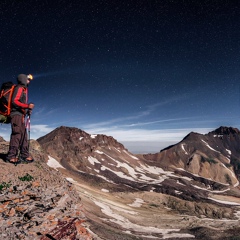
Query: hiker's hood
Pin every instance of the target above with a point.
(22, 79)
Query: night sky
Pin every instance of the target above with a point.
(146, 72)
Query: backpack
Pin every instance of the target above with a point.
(6, 93)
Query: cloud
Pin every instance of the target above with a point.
(39, 130)
(43, 112)
(142, 127)
(36, 131)
(151, 135)
(155, 122)
(139, 115)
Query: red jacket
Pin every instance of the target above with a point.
(19, 100)
(20, 96)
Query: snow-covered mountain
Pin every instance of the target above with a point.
(197, 177)
(208, 158)
(214, 156)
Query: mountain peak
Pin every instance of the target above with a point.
(192, 135)
(225, 131)
(76, 141)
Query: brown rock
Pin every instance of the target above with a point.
(11, 212)
(36, 200)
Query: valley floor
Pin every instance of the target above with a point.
(142, 215)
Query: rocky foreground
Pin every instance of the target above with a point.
(36, 202)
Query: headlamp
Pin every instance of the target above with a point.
(30, 77)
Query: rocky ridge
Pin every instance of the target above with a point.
(37, 202)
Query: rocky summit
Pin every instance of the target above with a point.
(85, 186)
(37, 202)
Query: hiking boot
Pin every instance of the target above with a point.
(27, 159)
(13, 160)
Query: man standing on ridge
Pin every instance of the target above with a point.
(20, 108)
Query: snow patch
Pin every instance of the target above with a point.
(225, 202)
(220, 136)
(125, 223)
(212, 191)
(233, 175)
(237, 214)
(53, 163)
(71, 180)
(182, 146)
(228, 159)
(131, 155)
(155, 170)
(104, 190)
(180, 183)
(92, 160)
(186, 178)
(119, 174)
(118, 150)
(229, 152)
(140, 173)
(178, 192)
(107, 180)
(99, 152)
(210, 147)
(152, 190)
(137, 203)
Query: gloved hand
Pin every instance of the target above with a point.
(30, 106)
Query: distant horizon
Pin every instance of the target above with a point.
(146, 147)
(138, 143)
(138, 147)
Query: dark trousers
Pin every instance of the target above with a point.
(18, 140)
